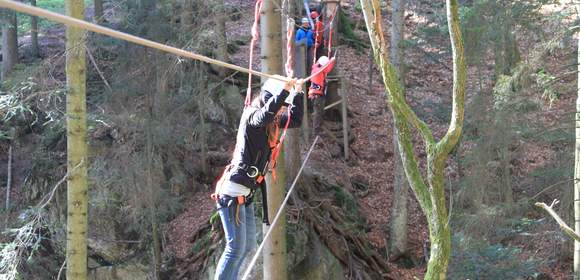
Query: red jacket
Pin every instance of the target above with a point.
(318, 32)
(318, 82)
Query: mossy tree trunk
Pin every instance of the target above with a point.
(76, 245)
(430, 191)
(275, 261)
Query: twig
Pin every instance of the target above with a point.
(59, 183)
(549, 187)
(563, 226)
(92, 58)
(60, 270)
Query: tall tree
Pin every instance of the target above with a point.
(34, 33)
(98, 11)
(577, 177)
(399, 217)
(9, 41)
(275, 261)
(76, 245)
(430, 191)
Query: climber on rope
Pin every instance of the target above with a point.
(257, 136)
(318, 82)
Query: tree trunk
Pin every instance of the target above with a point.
(98, 11)
(275, 261)
(34, 33)
(430, 193)
(76, 246)
(187, 15)
(398, 227)
(222, 40)
(577, 177)
(9, 42)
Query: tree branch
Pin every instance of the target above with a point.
(451, 138)
(402, 113)
(563, 226)
(395, 98)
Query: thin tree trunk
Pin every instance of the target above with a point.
(275, 260)
(187, 15)
(398, 227)
(9, 42)
(222, 40)
(77, 199)
(98, 11)
(34, 33)
(203, 133)
(151, 187)
(577, 177)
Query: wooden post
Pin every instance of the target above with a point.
(342, 91)
(300, 72)
(9, 179)
(371, 63)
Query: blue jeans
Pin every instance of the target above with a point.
(240, 240)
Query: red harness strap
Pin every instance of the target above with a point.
(277, 146)
(255, 36)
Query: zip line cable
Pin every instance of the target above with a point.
(282, 206)
(74, 22)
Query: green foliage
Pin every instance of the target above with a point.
(25, 242)
(474, 258)
(345, 28)
(56, 6)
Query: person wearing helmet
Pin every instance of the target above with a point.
(244, 175)
(318, 82)
(304, 32)
(316, 91)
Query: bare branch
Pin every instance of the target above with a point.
(563, 226)
(451, 138)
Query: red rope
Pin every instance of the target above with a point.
(255, 36)
(290, 73)
(290, 50)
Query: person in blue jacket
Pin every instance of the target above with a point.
(305, 32)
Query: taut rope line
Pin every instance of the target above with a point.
(70, 21)
(282, 206)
